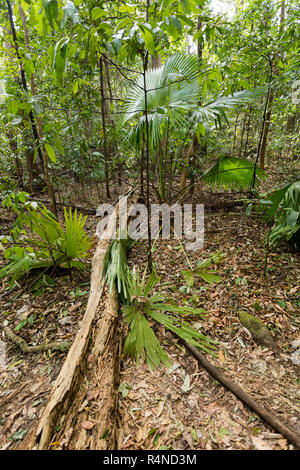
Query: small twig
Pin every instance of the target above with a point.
(21, 343)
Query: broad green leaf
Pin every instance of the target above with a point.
(211, 278)
(148, 38)
(51, 10)
(98, 12)
(50, 152)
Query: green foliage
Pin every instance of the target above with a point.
(285, 209)
(12, 199)
(141, 342)
(21, 261)
(173, 93)
(51, 10)
(51, 246)
(115, 268)
(201, 270)
(232, 173)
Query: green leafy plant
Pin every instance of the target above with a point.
(12, 199)
(284, 207)
(52, 245)
(173, 92)
(202, 270)
(141, 342)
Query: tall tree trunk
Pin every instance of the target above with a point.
(147, 147)
(291, 121)
(32, 169)
(12, 139)
(103, 106)
(235, 131)
(155, 61)
(248, 131)
(39, 122)
(188, 154)
(192, 149)
(42, 154)
(242, 136)
(112, 122)
(142, 166)
(266, 131)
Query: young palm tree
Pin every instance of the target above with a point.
(172, 104)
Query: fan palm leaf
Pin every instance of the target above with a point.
(141, 342)
(232, 173)
(173, 92)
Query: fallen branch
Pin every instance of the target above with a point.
(86, 210)
(21, 343)
(266, 415)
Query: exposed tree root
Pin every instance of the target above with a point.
(266, 415)
(21, 343)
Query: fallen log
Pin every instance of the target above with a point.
(272, 420)
(91, 422)
(85, 210)
(60, 411)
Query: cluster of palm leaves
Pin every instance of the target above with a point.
(145, 306)
(51, 246)
(172, 93)
(115, 268)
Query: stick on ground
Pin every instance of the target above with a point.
(266, 415)
(21, 343)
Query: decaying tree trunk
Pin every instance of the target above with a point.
(87, 375)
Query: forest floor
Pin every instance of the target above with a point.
(182, 407)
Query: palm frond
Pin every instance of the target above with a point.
(75, 243)
(201, 270)
(172, 86)
(115, 268)
(232, 173)
(173, 91)
(55, 246)
(141, 341)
